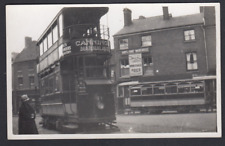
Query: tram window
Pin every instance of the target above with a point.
(41, 48)
(136, 91)
(57, 83)
(49, 39)
(42, 89)
(184, 88)
(159, 89)
(55, 33)
(171, 88)
(60, 25)
(146, 90)
(121, 91)
(197, 87)
(45, 45)
(94, 67)
(51, 85)
(46, 87)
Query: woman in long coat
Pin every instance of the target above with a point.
(26, 117)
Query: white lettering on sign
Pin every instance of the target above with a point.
(67, 50)
(91, 42)
(92, 45)
(135, 62)
(142, 50)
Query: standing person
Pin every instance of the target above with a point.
(26, 117)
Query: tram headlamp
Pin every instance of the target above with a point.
(99, 102)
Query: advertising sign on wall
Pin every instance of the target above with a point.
(135, 61)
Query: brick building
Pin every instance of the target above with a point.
(164, 48)
(24, 74)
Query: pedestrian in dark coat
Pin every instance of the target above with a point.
(26, 117)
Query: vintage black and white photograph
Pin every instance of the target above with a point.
(113, 71)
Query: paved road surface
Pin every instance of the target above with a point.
(162, 123)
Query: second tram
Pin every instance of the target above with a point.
(179, 95)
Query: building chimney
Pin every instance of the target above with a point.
(166, 15)
(28, 41)
(141, 17)
(209, 14)
(127, 17)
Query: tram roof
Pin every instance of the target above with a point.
(79, 11)
(167, 81)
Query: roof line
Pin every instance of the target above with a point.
(156, 30)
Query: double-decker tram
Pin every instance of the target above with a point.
(184, 95)
(74, 70)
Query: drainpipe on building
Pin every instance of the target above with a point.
(206, 51)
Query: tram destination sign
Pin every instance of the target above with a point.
(86, 45)
(91, 45)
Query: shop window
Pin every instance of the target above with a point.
(146, 41)
(191, 59)
(124, 67)
(148, 66)
(123, 44)
(189, 35)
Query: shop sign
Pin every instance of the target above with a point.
(141, 50)
(135, 62)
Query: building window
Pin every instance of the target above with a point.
(123, 44)
(191, 59)
(146, 41)
(189, 35)
(124, 67)
(148, 65)
(147, 61)
(20, 81)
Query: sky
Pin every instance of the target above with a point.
(32, 20)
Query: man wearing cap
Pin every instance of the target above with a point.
(26, 117)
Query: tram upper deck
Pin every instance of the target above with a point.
(74, 31)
